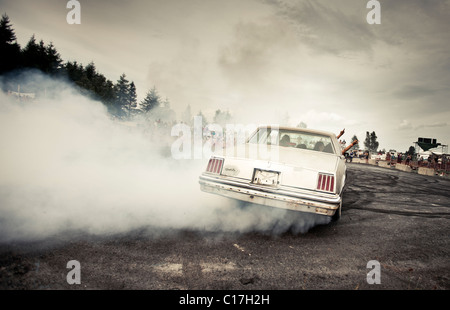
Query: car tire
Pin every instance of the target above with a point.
(337, 215)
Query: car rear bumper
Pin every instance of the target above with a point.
(278, 198)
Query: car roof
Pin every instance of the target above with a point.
(321, 132)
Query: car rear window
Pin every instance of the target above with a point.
(294, 139)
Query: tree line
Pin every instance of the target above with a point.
(120, 98)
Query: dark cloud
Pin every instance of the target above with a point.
(418, 92)
(330, 27)
(406, 125)
(249, 59)
(340, 27)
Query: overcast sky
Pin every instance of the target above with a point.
(317, 62)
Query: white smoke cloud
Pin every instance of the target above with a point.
(67, 166)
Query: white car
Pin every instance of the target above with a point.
(290, 168)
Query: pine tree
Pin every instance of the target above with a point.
(130, 108)
(106, 92)
(73, 70)
(91, 82)
(90, 71)
(53, 59)
(132, 98)
(40, 56)
(7, 34)
(222, 117)
(150, 101)
(302, 125)
(367, 141)
(10, 58)
(167, 114)
(203, 118)
(31, 53)
(411, 151)
(122, 89)
(373, 142)
(355, 146)
(186, 116)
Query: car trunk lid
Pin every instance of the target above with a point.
(296, 168)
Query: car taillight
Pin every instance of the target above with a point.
(325, 182)
(215, 165)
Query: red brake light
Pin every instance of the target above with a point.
(325, 182)
(215, 165)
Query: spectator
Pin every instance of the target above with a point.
(285, 141)
(352, 154)
(319, 146)
(300, 145)
(408, 159)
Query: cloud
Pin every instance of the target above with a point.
(338, 28)
(408, 92)
(252, 58)
(406, 125)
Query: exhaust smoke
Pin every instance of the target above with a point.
(67, 166)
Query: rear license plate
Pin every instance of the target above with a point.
(263, 177)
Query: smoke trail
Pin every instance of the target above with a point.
(67, 166)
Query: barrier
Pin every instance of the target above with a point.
(384, 164)
(372, 162)
(420, 167)
(403, 167)
(426, 171)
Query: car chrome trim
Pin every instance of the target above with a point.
(281, 191)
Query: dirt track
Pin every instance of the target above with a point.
(399, 219)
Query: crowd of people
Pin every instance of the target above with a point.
(439, 162)
(356, 154)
